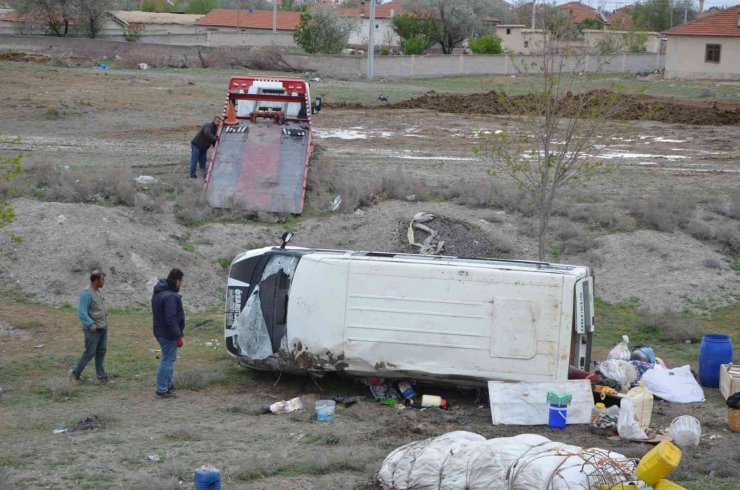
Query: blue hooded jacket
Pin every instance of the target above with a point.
(167, 313)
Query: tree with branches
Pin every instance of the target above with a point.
(323, 31)
(450, 23)
(563, 131)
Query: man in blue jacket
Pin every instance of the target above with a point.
(169, 326)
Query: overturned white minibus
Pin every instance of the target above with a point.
(437, 318)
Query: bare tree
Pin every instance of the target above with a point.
(56, 15)
(91, 14)
(563, 131)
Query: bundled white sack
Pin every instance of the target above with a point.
(485, 464)
(399, 466)
(461, 460)
(568, 468)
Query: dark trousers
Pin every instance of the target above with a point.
(96, 345)
(197, 159)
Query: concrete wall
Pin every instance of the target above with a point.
(347, 67)
(650, 44)
(246, 37)
(685, 58)
(456, 65)
(384, 33)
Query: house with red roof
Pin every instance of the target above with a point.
(248, 27)
(580, 12)
(708, 47)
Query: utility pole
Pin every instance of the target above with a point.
(685, 14)
(371, 42)
(534, 9)
(274, 15)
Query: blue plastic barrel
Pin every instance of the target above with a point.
(713, 351)
(207, 479)
(558, 416)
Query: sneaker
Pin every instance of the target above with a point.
(102, 381)
(74, 377)
(166, 394)
(171, 388)
(193, 177)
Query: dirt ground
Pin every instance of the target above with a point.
(140, 123)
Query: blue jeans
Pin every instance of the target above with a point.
(96, 345)
(197, 159)
(166, 364)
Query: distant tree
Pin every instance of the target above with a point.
(590, 24)
(413, 32)
(201, 6)
(91, 13)
(453, 22)
(161, 6)
(661, 15)
(55, 15)
(323, 31)
(488, 44)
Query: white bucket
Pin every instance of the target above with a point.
(325, 410)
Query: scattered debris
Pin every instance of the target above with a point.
(101, 66)
(285, 406)
(145, 179)
(621, 350)
(431, 244)
(153, 457)
(685, 431)
(143, 66)
(335, 203)
(94, 422)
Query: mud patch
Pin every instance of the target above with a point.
(43, 59)
(94, 422)
(460, 238)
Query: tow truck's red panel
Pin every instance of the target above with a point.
(260, 161)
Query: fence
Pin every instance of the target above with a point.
(343, 67)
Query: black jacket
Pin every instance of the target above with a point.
(167, 313)
(206, 137)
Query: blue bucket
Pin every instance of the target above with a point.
(558, 416)
(207, 479)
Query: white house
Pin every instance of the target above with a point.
(705, 48)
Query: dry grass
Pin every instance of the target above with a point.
(671, 325)
(665, 211)
(197, 378)
(60, 387)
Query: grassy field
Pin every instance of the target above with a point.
(216, 412)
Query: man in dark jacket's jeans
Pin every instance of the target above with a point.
(205, 138)
(169, 326)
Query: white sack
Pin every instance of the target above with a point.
(627, 424)
(673, 385)
(463, 461)
(621, 350)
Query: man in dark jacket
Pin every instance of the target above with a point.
(205, 138)
(169, 326)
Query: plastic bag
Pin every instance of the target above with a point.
(627, 424)
(620, 371)
(287, 406)
(642, 401)
(621, 350)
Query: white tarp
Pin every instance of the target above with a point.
(525, 403)
(466, 461)
(674, 385)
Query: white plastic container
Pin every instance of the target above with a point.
(642, 400)
(685, 431)
(325, 410)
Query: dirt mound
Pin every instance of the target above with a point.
(629, 108)
(44, 59)
(89, 423)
